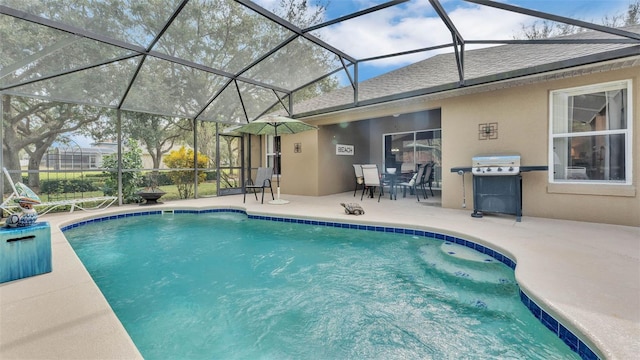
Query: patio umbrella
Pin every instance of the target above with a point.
(275, 125)
(435, 151)
(420, 146)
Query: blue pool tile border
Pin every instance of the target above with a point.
(557, 328)
(566, 335)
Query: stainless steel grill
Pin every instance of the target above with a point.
(495, 165)
(497, 185)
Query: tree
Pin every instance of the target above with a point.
(631, 17)
(131, 180)
(30, 51)
(219, 34)
(158, 134)
(33, 125)
(546, 29)
(207, 140)
(633, 14)
(183, 179)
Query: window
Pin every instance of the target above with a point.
(405, 151)
(273, 153)
(591, 134)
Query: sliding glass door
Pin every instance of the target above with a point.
(405, 151)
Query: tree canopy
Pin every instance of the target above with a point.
(546, 29)
(223, 36)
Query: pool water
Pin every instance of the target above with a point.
(222, 286)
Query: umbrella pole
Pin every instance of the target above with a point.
(278, 201)
(278, 157)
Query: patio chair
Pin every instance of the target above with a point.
(357, 168)
(371, 180)
(263, 181)
(19, 190)
(417, 181)
(429, 177)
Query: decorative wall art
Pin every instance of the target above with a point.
(488, 131)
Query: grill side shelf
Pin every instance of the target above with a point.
(466, 169)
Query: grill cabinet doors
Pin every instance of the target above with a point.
(497, 194)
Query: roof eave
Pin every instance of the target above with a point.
(483, 80)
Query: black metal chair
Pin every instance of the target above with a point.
(427, 178)
(263, 181)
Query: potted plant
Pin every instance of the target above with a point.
(151, 193)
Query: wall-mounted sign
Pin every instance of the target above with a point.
(344, 149)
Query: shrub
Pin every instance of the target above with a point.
(131, 180)
(212, 175)
(158, 179)
(66, 186)
(183, 179)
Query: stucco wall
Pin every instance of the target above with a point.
(336, 171)
(317, 170)
(522, 114)
(254, 155)
(300, 170)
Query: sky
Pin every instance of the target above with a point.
(415, 25)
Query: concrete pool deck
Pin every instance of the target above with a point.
(586, 275)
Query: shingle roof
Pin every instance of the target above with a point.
(481, 66)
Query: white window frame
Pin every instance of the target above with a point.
(271, 154)
(589, 89)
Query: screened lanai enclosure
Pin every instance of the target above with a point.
(111, 96)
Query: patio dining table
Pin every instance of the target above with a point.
(396, 179)
(391, 179)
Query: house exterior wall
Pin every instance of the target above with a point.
(415, 121)
(254, 155)
(336, 171)
(522, 114)
(300, 171)
(317, 170)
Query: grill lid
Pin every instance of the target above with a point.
(495, 165)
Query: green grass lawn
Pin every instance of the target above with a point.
(53, 185)
(204, 189)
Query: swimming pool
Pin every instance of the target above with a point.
(220, 285)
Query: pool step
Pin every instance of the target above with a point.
(467, 265)
(465, 253)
